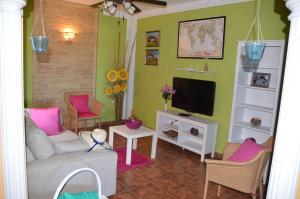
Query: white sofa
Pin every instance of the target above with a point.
(45, 174)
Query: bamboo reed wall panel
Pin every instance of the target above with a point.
(67, 65)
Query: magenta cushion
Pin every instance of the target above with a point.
(80, 102)
(247, 151)
(47, 119)
(88, 114)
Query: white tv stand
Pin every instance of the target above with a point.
(203, 143)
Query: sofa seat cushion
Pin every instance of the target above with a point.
(66, 135)
(70, 146)
(87, 114)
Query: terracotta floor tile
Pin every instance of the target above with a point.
(149, 191)
(175, 174)
(187, 193)
(120, 188)
(167, 184)
(124, 195)
(133, 181)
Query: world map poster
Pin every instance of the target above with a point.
(202, 38)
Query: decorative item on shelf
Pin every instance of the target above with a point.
(194, 131)
(133, 122)
(260, 79)
(171, 133)
(205, 68)
(255, 121)
(118, 77)
(255, 49)
(167, 92)
(39, 43)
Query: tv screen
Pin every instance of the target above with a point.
(196, 96)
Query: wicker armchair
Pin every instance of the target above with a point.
(245, 177)
(95, 109)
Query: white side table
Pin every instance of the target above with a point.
(132, 135)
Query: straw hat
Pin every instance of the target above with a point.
(94, 138)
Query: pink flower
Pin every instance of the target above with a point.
(167, 92)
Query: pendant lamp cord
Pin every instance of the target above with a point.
(42, 21)
(256, 19)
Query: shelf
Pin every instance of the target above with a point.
(263, 129)
(167, 138)
(194, 70)
(250, 101)
(199, 136)
(170, 126)
(237, 140)
(258, 88)
(191, 145)
(202, 144)
(256, 107)
(258, 67)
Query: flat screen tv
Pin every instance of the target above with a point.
(196, 96)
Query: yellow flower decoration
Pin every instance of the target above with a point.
(112, 75)
(117, 88)
(108, 91)
(123, 74)
(124, 86)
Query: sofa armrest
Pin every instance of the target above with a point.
(45, 175)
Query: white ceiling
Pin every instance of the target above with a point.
(173, 6)
(143, 6)
(91, 2)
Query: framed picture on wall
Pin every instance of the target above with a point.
(151, 57)
(152, 38)
(201, 38)
(260, 80)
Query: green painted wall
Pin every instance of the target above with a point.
(107, 39)
(28, 62)
(109, 29)
(149, 79)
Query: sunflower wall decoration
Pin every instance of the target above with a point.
(117, 78)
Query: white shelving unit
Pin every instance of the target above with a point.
(194, 70)
(202, 144)
(250, 101)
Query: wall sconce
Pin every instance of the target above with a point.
(68, 34)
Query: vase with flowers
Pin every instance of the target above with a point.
(167, 92)
(118, 76)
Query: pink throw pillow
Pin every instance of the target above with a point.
(247, 151)
(47, 119)
(80, 102)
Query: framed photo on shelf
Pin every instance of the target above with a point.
(260, 79)
(201, 38)
(151, 57)
(152, 38)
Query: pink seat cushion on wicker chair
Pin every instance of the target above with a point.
(80, 102)
(87, 114)
(247, 151)
(47, 119)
